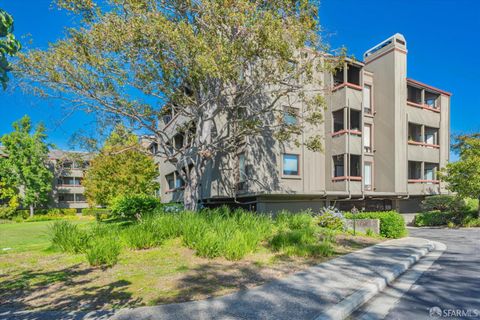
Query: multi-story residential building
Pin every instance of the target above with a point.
(385, 138)
(69, 169)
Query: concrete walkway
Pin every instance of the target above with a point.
(331, 290)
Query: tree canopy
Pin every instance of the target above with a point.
(9, 46)
(228, 66)
(463, 176)
(121, 168)
(25, 171)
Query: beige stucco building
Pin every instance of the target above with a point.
(385, 138)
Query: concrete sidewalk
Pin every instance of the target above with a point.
(326, 291)
(331, 290)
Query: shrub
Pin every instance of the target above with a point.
(331, 218)
(144, 235)
(392, 224)
(133, 206)
(7, 212)
(301, 242)
(294, 221)
(103, 251)
(99, 213)
(443, 203)
(432, 218)
(68, 237)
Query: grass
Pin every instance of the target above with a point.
(176, 268)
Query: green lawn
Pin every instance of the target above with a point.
(26, 236)
(35, 276)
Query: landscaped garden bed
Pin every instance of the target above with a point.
(163, 258)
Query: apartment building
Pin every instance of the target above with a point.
(385, 138)
(69, 169)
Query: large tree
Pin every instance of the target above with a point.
(9, 46)
(463, 176)
(122, 167)
(26, 167)
(228, 66)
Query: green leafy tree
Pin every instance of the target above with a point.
(121, 168)
(230, 67)
(26, 168)
(9, 46)
(463, 176)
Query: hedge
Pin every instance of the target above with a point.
(98, 213)
(25, 213)
(392, 224)
(432, 218)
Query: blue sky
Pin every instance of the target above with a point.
(442, 38)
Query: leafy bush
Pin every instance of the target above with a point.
(221, 232)
(134, 206)
(301, 242)
(443, 203)
(36, 218)
(392, 224)
(103, 251)
(294, 221)
(68, 237)
(7, 212)
(432, 218)
(144, 235)
(331, 218)
(99, 213)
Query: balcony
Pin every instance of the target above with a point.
(347, 88)
(423, 143)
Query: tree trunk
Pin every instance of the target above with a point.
(31, 210)
(191, 192)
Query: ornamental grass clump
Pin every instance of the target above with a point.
(67, 237)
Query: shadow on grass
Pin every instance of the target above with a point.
(28, 289)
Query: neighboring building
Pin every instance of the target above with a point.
(69, 169)
(385, 138)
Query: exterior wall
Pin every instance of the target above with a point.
(61, 192)
(385, 70)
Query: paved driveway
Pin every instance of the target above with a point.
(452, 282)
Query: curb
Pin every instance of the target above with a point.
(348, 305)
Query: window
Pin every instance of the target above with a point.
(80, 198)
(178, 141)
(66, 197)
(414, 132)
(290, 116)
(367, 138)
(338, 121)
(431, 99)
(170, 181)
(431, 136)
(367, 99)
(242, 174)
(290, 165)
(338, 166)
(179, 183)
(338, 77)
(367, 174)
(154, 148)
(414, 170)
(353, 75)
(355, 161)
(355, 120)
(68, 164)
(430, 171)
(414, 94)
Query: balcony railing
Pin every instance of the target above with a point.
(424, 144)
(423, 181)
(423, 106)
(343, 178)
(345, 131)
